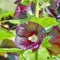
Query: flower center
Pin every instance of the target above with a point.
(33, 38)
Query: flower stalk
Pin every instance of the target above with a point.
(37, 15)
(37, 9)
(36, 55)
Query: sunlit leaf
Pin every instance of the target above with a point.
(29, 55)
(45, 22)
(4, 34)
(13, 21)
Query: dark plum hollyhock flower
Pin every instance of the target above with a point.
(55, 49)
(55, 41)
(20, 12)
(29, 36)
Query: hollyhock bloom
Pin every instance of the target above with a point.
(55, 41)
(29, 36)
(54, 9)
(20, 11)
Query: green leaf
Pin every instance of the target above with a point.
(4, 34)
(48, 29)
(26, 2)
(2, 11)
(59, 23)
(6, 14)
(43, 1)
(29, 55)
(13, 21)
(25, 20)
(46, 42)
(43, 54)
(45, 21)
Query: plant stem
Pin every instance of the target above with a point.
(37, 15)
(37, 9)
(36, 55)
(14, 50)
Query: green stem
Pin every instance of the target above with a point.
(13, 50)
(37, 15)
(36, 55)
(37, 8)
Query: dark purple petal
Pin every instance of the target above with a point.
(51, 12)
(54, 32)
(29, 36)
